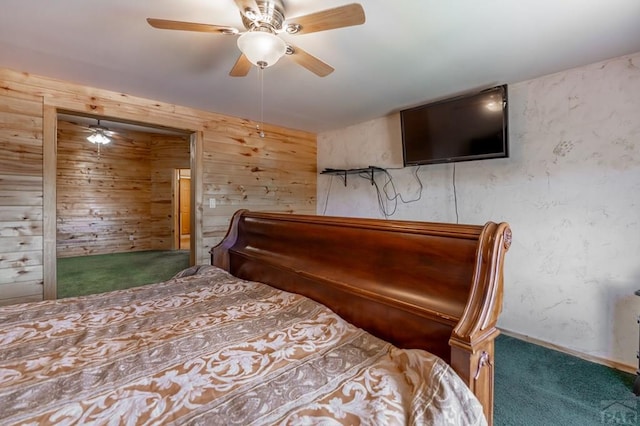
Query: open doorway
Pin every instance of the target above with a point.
(114, 206)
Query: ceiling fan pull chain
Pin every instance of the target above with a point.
(261, 125)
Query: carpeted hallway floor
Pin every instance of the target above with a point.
(84, 275)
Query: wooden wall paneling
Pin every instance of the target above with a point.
(246, 145)
(21, 137)
(275, 173)
(21, 198)
(20, 228)
(20, 213)
(74, 98)
(217, 139)
(103, 198)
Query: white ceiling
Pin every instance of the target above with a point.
(407, 53)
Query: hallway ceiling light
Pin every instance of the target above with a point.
(99, 134)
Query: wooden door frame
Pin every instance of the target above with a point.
(175, 207)
(49, 199)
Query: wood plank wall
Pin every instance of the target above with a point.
(274, 173)
(21, 237)
(110, 201)
(235, 166)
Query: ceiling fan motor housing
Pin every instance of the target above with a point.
(270, 16)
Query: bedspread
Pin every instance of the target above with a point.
(208, 348)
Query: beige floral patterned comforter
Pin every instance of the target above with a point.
(213, 350)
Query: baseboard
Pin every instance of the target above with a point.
(603, 361)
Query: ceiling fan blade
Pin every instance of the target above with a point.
(241, 68)
(310, 62)
(248, 5)
(339, 17)
(165, 24)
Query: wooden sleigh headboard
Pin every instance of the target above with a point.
(433, 286)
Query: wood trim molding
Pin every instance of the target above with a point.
(197, 254)
(50, 121)
(175, 208)
(591, 358)
(49, 154)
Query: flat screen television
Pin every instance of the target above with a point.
(468, 127)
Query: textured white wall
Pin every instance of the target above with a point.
(570, 190)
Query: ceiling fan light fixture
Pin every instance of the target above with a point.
(98, 136)
(262, 48)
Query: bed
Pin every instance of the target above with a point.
(298, 320)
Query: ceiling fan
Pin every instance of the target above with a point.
(264, 20)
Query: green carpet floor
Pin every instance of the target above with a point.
(539, 386)
(84, 275)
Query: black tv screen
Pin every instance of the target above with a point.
(469, 127)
